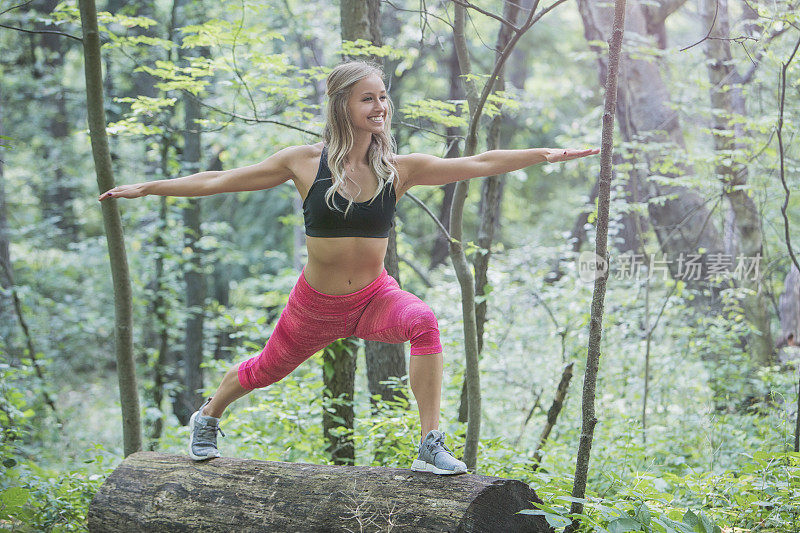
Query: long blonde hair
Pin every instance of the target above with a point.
(339, 135)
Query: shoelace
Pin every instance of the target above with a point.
(207, 432)
(440, 441)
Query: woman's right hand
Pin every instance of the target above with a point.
(134, 190)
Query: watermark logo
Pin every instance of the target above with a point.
(591, 266)
(682, 266)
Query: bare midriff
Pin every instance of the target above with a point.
(341, 265)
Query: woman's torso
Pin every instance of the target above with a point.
(340, 265)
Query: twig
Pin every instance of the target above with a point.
(29, 341)
(42, 31)
(485, 12)
(15, 7)
(784, 67)
(710, 29)
(552, 413)
(435, 219)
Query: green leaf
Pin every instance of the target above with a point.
(557, 520)
(14, 497)
(621, 525)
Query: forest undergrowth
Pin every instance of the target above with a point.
(702, 462)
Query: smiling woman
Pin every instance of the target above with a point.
(350, 183)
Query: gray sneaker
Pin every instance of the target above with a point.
(435, 457)
(203, 435)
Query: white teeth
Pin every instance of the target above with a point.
(376, 119)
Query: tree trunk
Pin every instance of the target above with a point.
(126, 370)
(476, 103)
(589, 420)
(6, 314)
(58, 194)
(682, 221)
(441, 247)
(789, 308)
(459, 259)
(194, 279)
(725, 82)
(361, 20)
(490, 205)
(385, 361)
(152, 492)
(160, 310)
(338, 415)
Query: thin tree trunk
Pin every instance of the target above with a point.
(779, 130)
(5, 240)
(8, 296)
(552, 413)
(160, 311)
(126, 370)
(490, 205)
(476, 103)
(441, 247)
(385, 361)
(459, 259)
(589, 420)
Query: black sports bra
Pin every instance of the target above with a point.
(363, 220)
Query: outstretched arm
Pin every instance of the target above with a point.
(269, 173)
(422, 169)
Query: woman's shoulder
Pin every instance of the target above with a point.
(304, 151)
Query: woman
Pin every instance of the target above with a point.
(350, 183)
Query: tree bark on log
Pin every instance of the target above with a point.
(156, 492)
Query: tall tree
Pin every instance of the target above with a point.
(359, 20)
(57, 193)
(489, 209)
(476, 102)
(589, 420)
(194, 278)
(680, 216)
(123, 325)
(727, 106)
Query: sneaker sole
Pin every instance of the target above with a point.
(191, 430)
(422, 466)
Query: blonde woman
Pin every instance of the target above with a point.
(350, 183)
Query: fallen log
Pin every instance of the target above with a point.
(156, 492)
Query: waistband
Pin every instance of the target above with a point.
(340, 303)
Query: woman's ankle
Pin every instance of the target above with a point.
(209, 409)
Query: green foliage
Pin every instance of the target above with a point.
(444, 113)
(713, 453)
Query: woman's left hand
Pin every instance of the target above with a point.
(557, 155)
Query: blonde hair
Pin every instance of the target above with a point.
(339, 135)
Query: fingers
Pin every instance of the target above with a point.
(108, 194)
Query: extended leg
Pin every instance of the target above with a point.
(228, 391)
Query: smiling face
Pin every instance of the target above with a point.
(368, 104)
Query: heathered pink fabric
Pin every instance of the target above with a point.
(311, 320)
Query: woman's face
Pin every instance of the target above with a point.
(368, 104)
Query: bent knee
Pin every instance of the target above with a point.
(425, 335)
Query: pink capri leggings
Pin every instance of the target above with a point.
(311, 320)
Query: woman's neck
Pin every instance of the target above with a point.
(358, 154)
